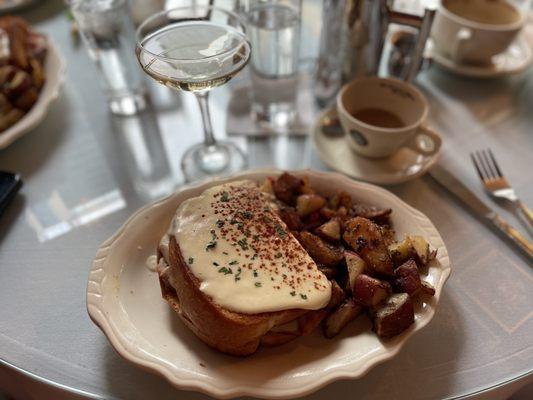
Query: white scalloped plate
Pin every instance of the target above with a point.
(124, 300)
(55, 74)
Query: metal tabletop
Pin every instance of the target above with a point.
(85, 172)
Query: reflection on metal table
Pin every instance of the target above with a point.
(85, 172)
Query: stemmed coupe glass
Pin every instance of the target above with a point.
(195, 49)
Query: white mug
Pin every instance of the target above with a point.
(473, 31)
(393, 96)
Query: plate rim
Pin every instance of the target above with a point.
(46, 97)
(98, 315)
(393, 181)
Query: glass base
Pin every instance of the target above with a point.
(276, 116)
(201, 161)
(128, 104)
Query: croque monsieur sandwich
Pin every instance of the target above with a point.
(234, 272)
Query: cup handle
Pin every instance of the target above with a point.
(426, 142)
(461, 38)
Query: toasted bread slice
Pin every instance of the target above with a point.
(227, 331)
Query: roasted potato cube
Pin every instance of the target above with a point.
(287, 187)
(345, 200)
(369, 291)
(337, 296)
(306, 187)
(271, 339)
(18, 84)
(336, 321)
(37, 73)
(355, 266)
(312, 221)
(291, 218)
(333, 201)
(402, 251)
(5, 104)
(27, 99)
(267, 186)
(342, 212)
(370, 212)
(394, 316)
(7, 72)
(309, 203)
(17, 47)
(331, 230)
(327, 213)
(388, 235)
(309, 321)
(407, 279)
(330, 272)
(10, 118)
(428, 289)
(323, 253)
(366, 239)
(421, 247)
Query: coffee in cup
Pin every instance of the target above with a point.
(473, 31)
(381, 115)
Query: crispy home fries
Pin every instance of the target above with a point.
(246, 265)
(22, 76)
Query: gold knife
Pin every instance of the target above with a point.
(478, 207)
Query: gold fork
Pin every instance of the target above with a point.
(497, 185)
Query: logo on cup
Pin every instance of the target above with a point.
(358, 137)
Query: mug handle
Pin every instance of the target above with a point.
(426, 142)
(461, 38)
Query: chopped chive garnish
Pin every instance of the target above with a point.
(233, 262)
(191, 260)
(280, 231)
(224, 197)
(293, 293)
(278, 255)
(238, 274)
(220, 223)
(243, 243)
(303, 296)
(257, 284)
(255, 273)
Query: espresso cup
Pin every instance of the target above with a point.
(473, 31)
(381, 115)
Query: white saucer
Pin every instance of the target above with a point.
(403, 166)
(517, 58)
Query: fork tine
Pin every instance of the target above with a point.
(473, 157)
(488, 164)
(495, 163)
(482, 166)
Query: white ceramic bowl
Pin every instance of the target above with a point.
(124, 300)
(55, 74)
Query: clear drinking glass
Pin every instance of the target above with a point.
(274, 32)
(109, 35)
(195, 49)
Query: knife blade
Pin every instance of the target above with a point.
(480, 209)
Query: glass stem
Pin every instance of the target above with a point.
(203, 97)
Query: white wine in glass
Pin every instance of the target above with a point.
(196, 49)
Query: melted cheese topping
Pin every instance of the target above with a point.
(243, 254)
